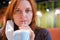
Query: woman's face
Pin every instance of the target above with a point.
(23, 13)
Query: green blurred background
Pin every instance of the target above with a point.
(49, 16)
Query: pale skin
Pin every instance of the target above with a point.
(22, 16)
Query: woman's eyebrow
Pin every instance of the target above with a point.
(29, 8)
(18, 9)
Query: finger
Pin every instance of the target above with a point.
(32, 35)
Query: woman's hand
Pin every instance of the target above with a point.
(26, 27)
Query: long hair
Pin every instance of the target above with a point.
(9, 13)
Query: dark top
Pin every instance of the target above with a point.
(40, 34)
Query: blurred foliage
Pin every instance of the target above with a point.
(48, 19)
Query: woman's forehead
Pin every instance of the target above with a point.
(23, 4)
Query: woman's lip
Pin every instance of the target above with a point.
(23, 21)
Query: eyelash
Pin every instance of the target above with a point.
(28, 11)
(18, 10)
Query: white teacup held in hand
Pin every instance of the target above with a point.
(16, 35)
(22, 35)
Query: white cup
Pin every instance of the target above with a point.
(22, 35)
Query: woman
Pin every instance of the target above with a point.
(22, 13)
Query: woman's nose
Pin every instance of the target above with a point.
(24, 14)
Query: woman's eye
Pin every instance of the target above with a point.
(17, 10)
(27, 11)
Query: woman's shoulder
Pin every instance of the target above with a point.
(39, 29)
(42, 33)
